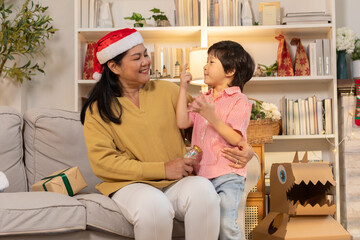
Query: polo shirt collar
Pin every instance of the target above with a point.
(228, 91)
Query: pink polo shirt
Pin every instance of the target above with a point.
(234, 108)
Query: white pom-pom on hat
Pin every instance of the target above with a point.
(113, 44)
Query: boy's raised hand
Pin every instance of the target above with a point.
(204, 108)
(185, 77)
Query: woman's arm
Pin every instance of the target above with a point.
(182, 116)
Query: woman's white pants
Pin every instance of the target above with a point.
(192, 200)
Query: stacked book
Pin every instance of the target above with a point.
(306, 18)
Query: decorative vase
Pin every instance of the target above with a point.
(356, 69)
(162, 23)
(341, 65)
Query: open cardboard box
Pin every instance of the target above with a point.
(301, 203)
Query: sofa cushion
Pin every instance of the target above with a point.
(40, 212)
(103, 213)
(54, 140)
(11, 149)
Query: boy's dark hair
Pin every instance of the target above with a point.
(233, 56)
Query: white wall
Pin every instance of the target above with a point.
(347, 14)
(55, 89)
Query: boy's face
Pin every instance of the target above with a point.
(214, 74)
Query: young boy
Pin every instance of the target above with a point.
(220, 118)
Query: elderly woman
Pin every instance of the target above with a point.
(136, 148)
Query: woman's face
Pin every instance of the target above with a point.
(135, 67)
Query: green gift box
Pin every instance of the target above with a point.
(69, 182)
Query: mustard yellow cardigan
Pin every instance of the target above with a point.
(135, 150)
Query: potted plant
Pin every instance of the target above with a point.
(355, 57)
(265, 121)
(345, 44)
(269, 70)
(23, 36)
(160, 18)
(138, 18)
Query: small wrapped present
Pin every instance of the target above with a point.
(69, 182)
(285, 67)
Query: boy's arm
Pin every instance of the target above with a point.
(182, 116)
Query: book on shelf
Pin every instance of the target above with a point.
(89, 13)
(320, 116)
(307, 117)
(216, 14)
(306, 18)
(312, 58)
(283, 113)
(303, 128)
(319, 52)
(328, 115)
(187, 12)
(311, 115)
(319, 57)
(327, 56)
(196, 13)
(296, 118)
(84, 13)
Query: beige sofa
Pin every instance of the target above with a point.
(37, 144)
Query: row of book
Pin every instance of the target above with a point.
(89, 13)
(310, 116)
(224, 12)
(320, 57)
(187, 12)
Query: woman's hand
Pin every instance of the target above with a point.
(179, 168)
(238, 156)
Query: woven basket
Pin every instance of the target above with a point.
(261, 131)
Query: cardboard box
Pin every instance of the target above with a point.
(301, 203)
(69, 182)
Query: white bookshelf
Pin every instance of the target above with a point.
(259, 41)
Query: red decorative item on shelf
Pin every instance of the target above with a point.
(89, 61)
(285, 67)
(302, 66)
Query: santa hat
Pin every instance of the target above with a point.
(113, 44)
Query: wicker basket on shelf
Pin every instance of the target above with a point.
(261, 131)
